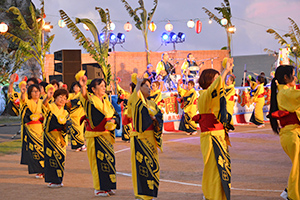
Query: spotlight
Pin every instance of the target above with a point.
(181, 37)
(112, 38)
(165, 37)
(121, 37)
(101, 37)
(173, 37)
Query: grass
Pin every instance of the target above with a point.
(12, 147)
(9, 120)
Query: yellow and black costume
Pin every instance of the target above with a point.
(155, 96)
(76, 113)
(144, 140)
(56, 124)
(212, 118)
(190, 109)
(289, 115)
(257, 95)
(32, 134)
(100, 141)
(230, 94)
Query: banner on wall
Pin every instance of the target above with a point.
(243, 108)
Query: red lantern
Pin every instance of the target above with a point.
(127, 27)
(198, 26)
(152, 27)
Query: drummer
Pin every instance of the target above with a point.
(189, 62)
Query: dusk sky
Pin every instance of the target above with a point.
(251, 18)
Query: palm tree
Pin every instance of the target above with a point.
(293, 35)
(226, 13)
(98, 50)
(142, 21)
(32, 47)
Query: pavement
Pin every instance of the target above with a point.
(260, 170)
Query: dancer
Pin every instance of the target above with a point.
(257, 96)
(56, 124)
(102, 120)
(230, 94)
(155, 94)
(76, 113)
(123, 97)
(31, 122)
(188, 100)
(285, 107)
(213, 119)
(145, 137)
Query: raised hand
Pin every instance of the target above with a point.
(83, 81)
(50, 92)
(13, 78)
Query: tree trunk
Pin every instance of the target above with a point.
(229, 42)
(146, 47)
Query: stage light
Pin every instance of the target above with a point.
(121, 37)
(112, 38)
(101, 37)
(173, 37)
(181, 37)
(165, 37)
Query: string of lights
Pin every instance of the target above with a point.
(166, 20)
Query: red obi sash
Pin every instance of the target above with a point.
(99, 128)
(34, 122)
(285, 117)
(260, 96)
(208, 122)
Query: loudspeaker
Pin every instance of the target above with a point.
(93, 70)
(68, 63)
(56, 77)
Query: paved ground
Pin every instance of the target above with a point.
(260, 170)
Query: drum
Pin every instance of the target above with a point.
(194, 68)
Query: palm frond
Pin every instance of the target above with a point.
(150, 14)
(141, 2)
(296, 28)
(280, 39)
(227, 3)
(91, 27)
(269, 51)
(211, 15)
(102, 15)
(20, 17)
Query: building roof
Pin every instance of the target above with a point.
(254, 65)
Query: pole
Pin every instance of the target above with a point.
(245, 71)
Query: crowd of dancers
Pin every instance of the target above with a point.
(49, 113)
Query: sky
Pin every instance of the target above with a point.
(251, 18)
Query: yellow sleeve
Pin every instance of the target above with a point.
(146, 75)
(160, 66)
(181, 91)
(184, 66)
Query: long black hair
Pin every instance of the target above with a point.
(283, 75)
(94, 83)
